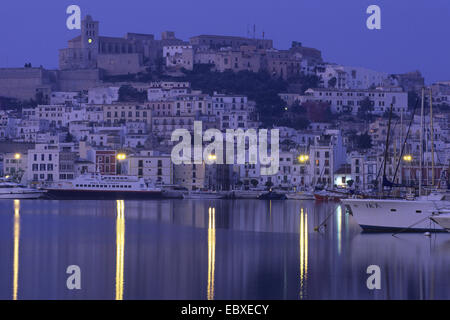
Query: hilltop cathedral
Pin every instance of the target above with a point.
(113, 55)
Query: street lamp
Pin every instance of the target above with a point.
(121, 156)
(17, 156)
(303, 158)
(407, 158)
(212, 157)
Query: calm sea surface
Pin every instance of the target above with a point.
(209, 249)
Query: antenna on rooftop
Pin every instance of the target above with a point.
(254, 31)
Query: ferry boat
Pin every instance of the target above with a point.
(11, 190)
(96, 186)
(418, 215)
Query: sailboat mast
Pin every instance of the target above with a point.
(401, 142)
(432, 137)
(421, 142)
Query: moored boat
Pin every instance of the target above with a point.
(271, 195)
(204, 195)
(96, 186)
(300, 195)
(173, 192)
(246, 194)
(396, 214)
(325, 195)
(11, 190)
(443, 219)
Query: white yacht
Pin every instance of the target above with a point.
(247, 194)
(387, 215)
(204, 195)
(173, 191)
(443, 219)
(11, 190)
(96, 186)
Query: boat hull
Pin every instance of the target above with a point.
(327, 197)
(443, 220)
(374, 215)
(300, 196)
(67, 194)
(25, 195)
(202, 196)
(272, 196)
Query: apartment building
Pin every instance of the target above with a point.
(349, 100)
(125, 112)
(152, 166)
(43, 163)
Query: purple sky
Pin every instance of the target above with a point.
(415, 33)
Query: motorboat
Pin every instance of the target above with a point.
(12, 190)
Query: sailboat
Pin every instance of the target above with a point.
(409, 215)
(443, 219)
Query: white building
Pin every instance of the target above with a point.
(347, 77)
(349, 100)
(103, 95)
(326, 156)
(43, 163)
(61, 97)
(179, 56)
(151, 166)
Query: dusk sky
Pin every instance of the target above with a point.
(414, 35)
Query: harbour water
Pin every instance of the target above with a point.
(209, 249)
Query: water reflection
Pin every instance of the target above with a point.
(171, 252)
(211, 252)
(339, 228)
(120, 248)
(303, 235)
(16, 248)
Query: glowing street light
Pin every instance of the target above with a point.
(121, 156)
(303, 158)
(17, 156)
(407, 158)
(212, 157)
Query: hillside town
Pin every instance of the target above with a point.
(112, 105)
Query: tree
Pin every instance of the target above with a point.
(318, 111)
(365, 108)
(350, 183)
(69, 137)
(364, 141)
(306, 82)
(128, 93)
(332, 82)
(269, 184)
(413, 97)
